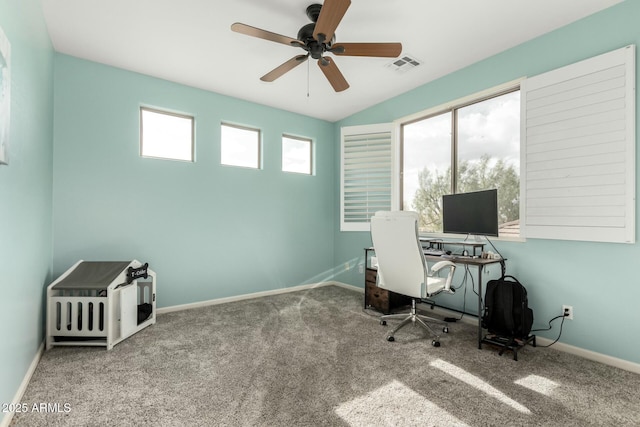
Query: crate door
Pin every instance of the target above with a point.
(128, 310)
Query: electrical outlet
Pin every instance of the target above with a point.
(568, 312)
(360, 268)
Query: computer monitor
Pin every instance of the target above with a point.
(471, 213)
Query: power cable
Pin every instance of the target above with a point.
(549, 328)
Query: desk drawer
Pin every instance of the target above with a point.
(376, 297)
(370, 276)
(383, 300)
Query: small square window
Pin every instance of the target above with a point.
(240, 146)
(296, 155)
(166, 135)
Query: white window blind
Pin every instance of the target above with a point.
(366, 159)
(578, 157)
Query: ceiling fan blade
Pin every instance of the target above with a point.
(386, 50)
(333, 74)
(330, 16)
(283, 68)
(264, 34)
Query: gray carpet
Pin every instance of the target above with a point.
(315, 358)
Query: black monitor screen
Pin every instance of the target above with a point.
(471, 213)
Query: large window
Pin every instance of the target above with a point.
(239, 146)
(166, 135)
(472, 146)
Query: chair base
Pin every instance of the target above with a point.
(416, 319)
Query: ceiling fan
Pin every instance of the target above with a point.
(317, 39)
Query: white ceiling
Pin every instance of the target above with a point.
(190, 42)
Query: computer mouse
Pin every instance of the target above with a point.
(448, 252)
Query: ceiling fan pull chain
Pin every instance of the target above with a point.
(308, 72)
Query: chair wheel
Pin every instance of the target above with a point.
(391, 339)
(445, 330)
(435, 343)
(383, 322)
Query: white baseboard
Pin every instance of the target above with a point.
(592, 355)
(250, 296)
(467, 318)
(346, 286)
(17, 399)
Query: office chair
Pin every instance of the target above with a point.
(403, 269)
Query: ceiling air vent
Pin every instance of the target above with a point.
(404, 63)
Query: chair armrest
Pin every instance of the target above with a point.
(444, 264)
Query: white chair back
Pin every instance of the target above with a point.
(401, 264)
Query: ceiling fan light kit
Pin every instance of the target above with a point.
(317, 39)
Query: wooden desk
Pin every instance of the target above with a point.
(480, 263)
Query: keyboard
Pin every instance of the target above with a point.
(433, 252)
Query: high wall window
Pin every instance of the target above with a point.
(239, 146)
(297, 154)
(471, 146)
(166, 135)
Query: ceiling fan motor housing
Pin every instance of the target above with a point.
(314, 47)
(313, 11)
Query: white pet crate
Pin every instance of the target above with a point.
(97, 303)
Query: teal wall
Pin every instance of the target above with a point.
(599, 280)
(209, 231)
(25, 193)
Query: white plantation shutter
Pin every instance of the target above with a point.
(578, 160)
(366, 159)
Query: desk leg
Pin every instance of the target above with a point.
(480, 307)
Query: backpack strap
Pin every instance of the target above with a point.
(506, 297)
(503, 268)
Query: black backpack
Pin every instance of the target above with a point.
(506, 309)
